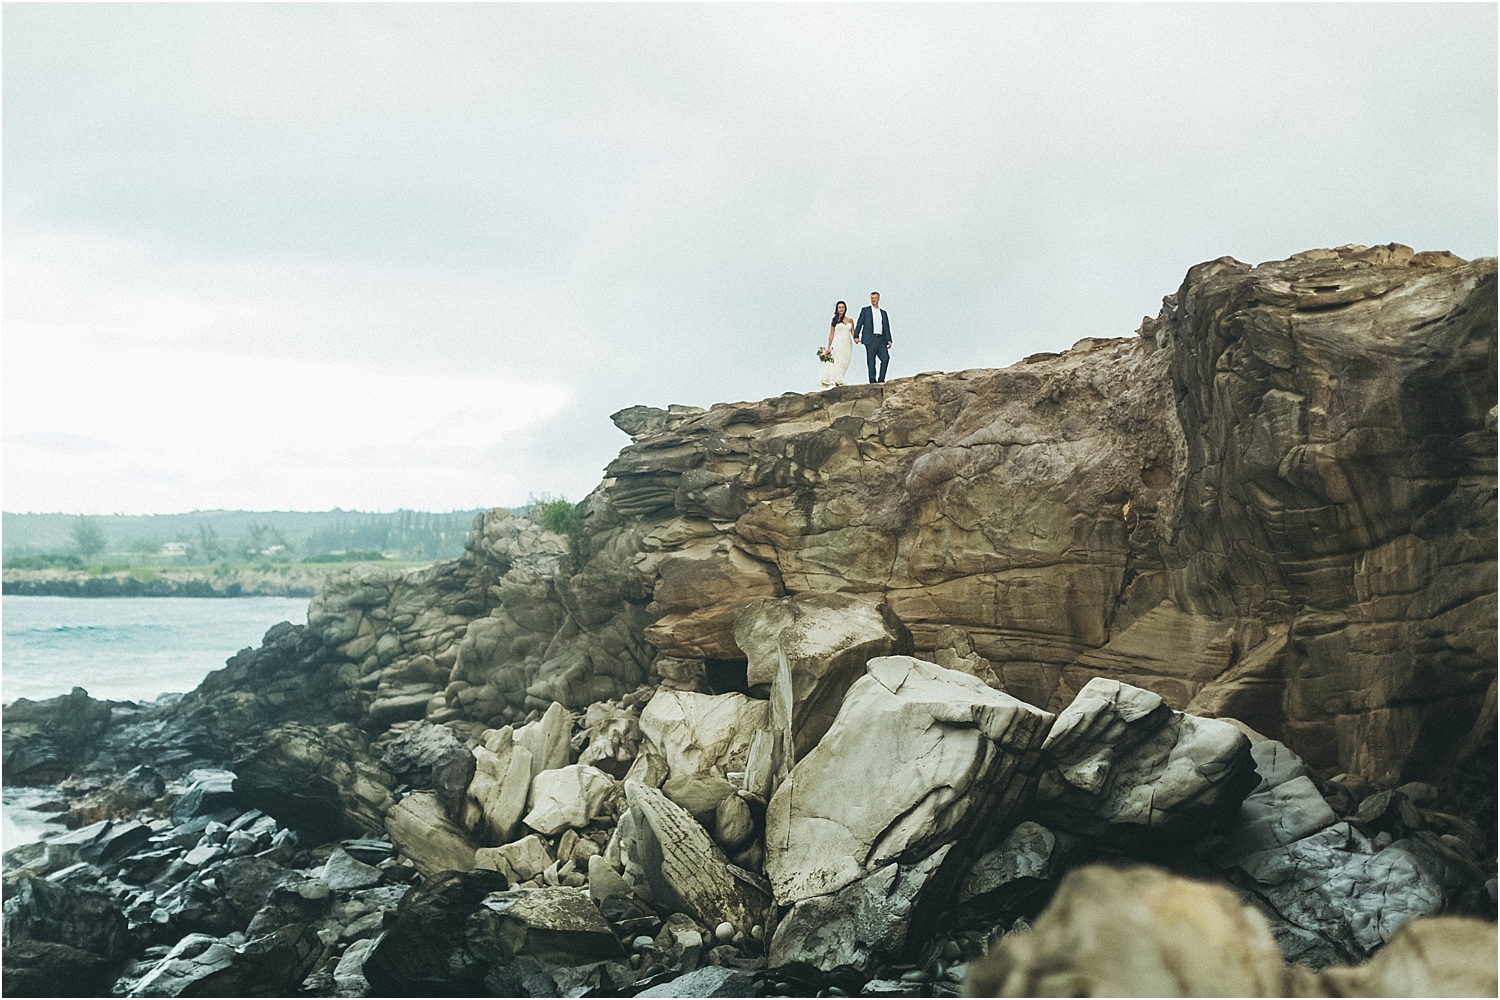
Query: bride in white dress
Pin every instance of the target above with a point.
(841, 345)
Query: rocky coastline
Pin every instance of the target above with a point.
(1162, 666)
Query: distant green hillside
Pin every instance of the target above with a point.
(236, 536)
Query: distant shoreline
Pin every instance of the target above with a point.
(282, 581)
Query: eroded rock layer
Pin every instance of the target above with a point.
(1277, 503)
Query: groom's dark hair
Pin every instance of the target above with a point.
(874, 293)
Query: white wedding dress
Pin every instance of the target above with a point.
(831, 373)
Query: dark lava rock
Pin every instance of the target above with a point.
(41, 915)
(51, 969)
(427, 756)
(247, 884)
(708, 982)
(211, 790)
(135, 789)
(304, 902)
(318, 782)
(45, 741)
(268, 966)
(429, 950)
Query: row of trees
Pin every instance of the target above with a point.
(409, 534)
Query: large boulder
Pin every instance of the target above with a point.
(1285, 807)
(571, 796)
(818, 645)
(698, 733)
(684, 869)
(322, 782)
(919, 756)
(1126, 768)
(61, 940)
(500, 788)
(547, 739)
(848, 932)
(1143, 932)
(555, 925)
(1138, 932)
(47, 740)
(271, 964)
(419, 826)
(1338, 885)
(520, 861)
(614, 736)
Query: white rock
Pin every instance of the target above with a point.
(814, 646)
(525, 859)
(685, 871)
(500, 788)
(421, 829)
(567, 796)
(1126, 767)
(1286, 806)
(547, 739)
(914, 749)
(349, 975)
(696, 732)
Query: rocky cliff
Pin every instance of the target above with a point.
(1276, 503)
(833, 689)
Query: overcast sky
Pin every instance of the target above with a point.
(289, 256)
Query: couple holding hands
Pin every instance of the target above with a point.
(873, 330)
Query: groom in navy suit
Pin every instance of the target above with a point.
(874, 331)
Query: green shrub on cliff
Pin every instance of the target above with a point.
(555, 514)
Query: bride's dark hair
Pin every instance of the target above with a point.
(837, 315)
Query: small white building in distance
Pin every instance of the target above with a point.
(174, 549)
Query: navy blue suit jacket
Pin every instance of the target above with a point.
(866, 325)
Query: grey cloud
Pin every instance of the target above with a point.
(663, 202)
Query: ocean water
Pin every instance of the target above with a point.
(119, 648)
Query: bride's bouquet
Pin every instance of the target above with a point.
(825, 355)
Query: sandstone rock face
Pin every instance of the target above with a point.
(1275, 504)
(1267, 502)
(918, 756)
(1340, 478)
